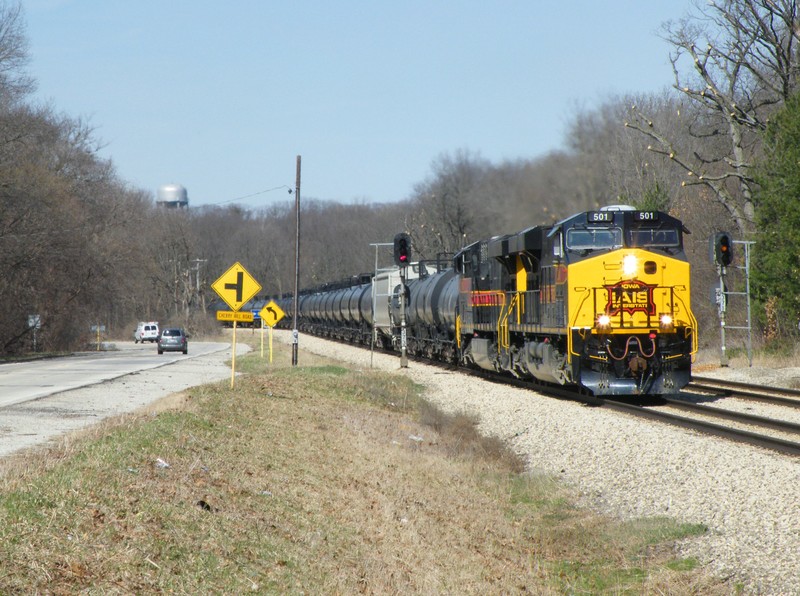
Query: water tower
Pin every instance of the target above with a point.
(172, 196)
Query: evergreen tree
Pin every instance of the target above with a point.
(655, 198)
(775, 273)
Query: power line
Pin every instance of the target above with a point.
(255, 194)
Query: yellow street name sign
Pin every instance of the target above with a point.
(231, 315)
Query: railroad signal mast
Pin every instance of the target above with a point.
(722, 254)
(402, 258)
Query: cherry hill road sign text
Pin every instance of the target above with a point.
(231, 315)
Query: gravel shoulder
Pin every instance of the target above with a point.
(627, 467)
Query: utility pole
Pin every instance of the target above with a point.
(197, 263)
(295, 334)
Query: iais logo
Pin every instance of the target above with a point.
(630, 296)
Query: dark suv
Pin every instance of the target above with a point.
(173, 339)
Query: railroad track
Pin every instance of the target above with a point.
(773, 395)
(699, 421)
(693, 416)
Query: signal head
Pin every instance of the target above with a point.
(402, 250)
(723, 249)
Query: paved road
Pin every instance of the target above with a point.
(42, 399)
(24, 381)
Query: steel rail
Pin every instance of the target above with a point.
(710, 428)
(773, 395)
(723, 383)
(744, 418)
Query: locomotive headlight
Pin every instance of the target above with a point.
(630, 265)
(666, 322)
(603, 321)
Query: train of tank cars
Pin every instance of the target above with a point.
(599, 301)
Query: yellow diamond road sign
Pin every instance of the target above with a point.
(236, 286)
(271, 314)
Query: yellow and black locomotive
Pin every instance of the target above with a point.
(600, 300)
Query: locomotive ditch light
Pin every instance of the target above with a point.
(630, 265)
(666, 321)
(603, 321)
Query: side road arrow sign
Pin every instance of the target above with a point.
(236, 286)
(271, 314)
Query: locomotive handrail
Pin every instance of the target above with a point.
(570, 349)
(503, 341)
(692, 328)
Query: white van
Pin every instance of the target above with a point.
(146, 331)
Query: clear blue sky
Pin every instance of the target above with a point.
(222, 96)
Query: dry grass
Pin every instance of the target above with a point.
(317, 479)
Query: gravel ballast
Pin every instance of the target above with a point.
(629, 467)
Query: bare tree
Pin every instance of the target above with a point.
(613, 161)
(447, 206)
(742, 62)
(15, 82)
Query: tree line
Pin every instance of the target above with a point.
(80, 247)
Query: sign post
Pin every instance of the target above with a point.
(236, 287)
(35, 322)
(98, 328)
(233, 354)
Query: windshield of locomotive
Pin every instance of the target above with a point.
(654, 238)
(594, 238)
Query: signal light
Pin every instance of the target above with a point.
(402, 250)
(723, 248)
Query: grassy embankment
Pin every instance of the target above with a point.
(317, 479)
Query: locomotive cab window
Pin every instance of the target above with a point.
(594, 238)
(654, 238)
